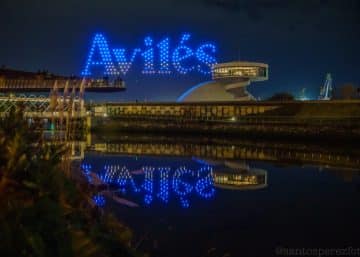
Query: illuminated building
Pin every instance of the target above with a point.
(229, 83)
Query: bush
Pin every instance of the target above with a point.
(43, 211)
(282, 97)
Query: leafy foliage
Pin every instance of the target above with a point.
(281, 97)
(43, 211)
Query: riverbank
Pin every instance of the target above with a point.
(313, 120)
(305, 129)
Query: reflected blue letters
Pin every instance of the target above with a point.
(157, 184)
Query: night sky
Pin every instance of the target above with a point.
(301, 40)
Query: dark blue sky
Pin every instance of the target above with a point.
(300, 40)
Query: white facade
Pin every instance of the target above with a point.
(229, 83)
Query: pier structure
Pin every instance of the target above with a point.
(62, 110)
(13, 81)
(57, 101)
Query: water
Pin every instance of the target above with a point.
(185, 205)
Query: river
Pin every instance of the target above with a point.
(198, 197)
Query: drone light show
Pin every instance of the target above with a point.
(162, 57)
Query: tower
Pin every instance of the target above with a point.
(326, 90)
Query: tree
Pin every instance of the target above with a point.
(282, 97)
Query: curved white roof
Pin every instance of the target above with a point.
(208, 91)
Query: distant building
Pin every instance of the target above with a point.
(229, 83)
(346, 92)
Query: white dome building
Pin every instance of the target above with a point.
(229, 83)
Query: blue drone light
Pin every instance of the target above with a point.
(115, 62)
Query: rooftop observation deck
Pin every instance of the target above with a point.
(21, 81)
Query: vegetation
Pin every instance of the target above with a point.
(282, 97)
(43, 211)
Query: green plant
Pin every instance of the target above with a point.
(43, 211)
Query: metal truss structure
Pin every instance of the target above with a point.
(326, 90)
(62, 109)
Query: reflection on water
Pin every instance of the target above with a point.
(230, 149)
(238, 176)
(325, 156)
(226, 197)
(179, 184)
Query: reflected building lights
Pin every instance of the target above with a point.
(241, 177)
